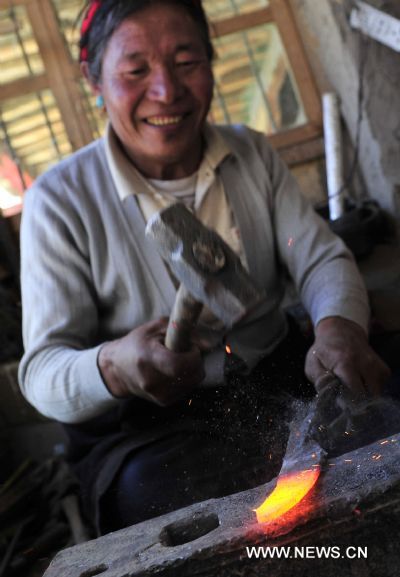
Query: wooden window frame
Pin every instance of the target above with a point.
(304, 142)
(62, 75)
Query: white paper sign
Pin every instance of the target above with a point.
(376, 24)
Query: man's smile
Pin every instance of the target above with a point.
(164, 120)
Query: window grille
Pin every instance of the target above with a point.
(46, 109)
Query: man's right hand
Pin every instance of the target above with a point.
(139, 364)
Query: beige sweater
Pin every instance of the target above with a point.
(89, 275)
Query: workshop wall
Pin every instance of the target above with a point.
(340, 55)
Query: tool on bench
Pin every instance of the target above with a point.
(343, 421)
(209, 271)
(333, 423)
(336, 422)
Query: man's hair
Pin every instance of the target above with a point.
(112, 13)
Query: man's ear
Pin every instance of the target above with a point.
(95, 88)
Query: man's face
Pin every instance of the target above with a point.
(157, 85)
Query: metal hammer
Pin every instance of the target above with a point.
(209, 271)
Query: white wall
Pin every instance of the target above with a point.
(334, 50)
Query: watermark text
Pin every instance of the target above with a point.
(309, 552)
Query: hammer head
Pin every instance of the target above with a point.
(203, 263)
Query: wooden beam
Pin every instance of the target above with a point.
(7, 4)
(294, 135)
(61, 71)
(283, 16)
(241, 22)
(303, 152)
(23, 86)
(7, 28)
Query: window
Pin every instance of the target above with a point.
(263, 77)
(46, 111)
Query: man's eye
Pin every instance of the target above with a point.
(136, 71)
(187, 63)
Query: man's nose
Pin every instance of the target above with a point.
(165, 86)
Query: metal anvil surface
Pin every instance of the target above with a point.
(356, 502)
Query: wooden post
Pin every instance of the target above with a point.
(283, 16)
(61, 71)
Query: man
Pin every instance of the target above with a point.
(152, 430)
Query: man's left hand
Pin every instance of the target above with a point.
(341, 348)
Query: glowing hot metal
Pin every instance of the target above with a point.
(301, 466)
(289, 491)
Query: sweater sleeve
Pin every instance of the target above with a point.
(58, 372)
(323, 269)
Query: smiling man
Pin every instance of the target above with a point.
(152, 430)
(157, 83)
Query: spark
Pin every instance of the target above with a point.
(228, 349)
(376, 457)
(384, 442)
(348, 460)
(190, 402)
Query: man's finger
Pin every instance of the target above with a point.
(355, 388)
(174, 364)
(156, 327)
(314, 368)
(375, 375)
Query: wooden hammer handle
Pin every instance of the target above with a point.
(184, 315)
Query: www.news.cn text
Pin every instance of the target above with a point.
(309, 552)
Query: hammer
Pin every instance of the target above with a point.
(209, 271)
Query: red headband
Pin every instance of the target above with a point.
(87, 22)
